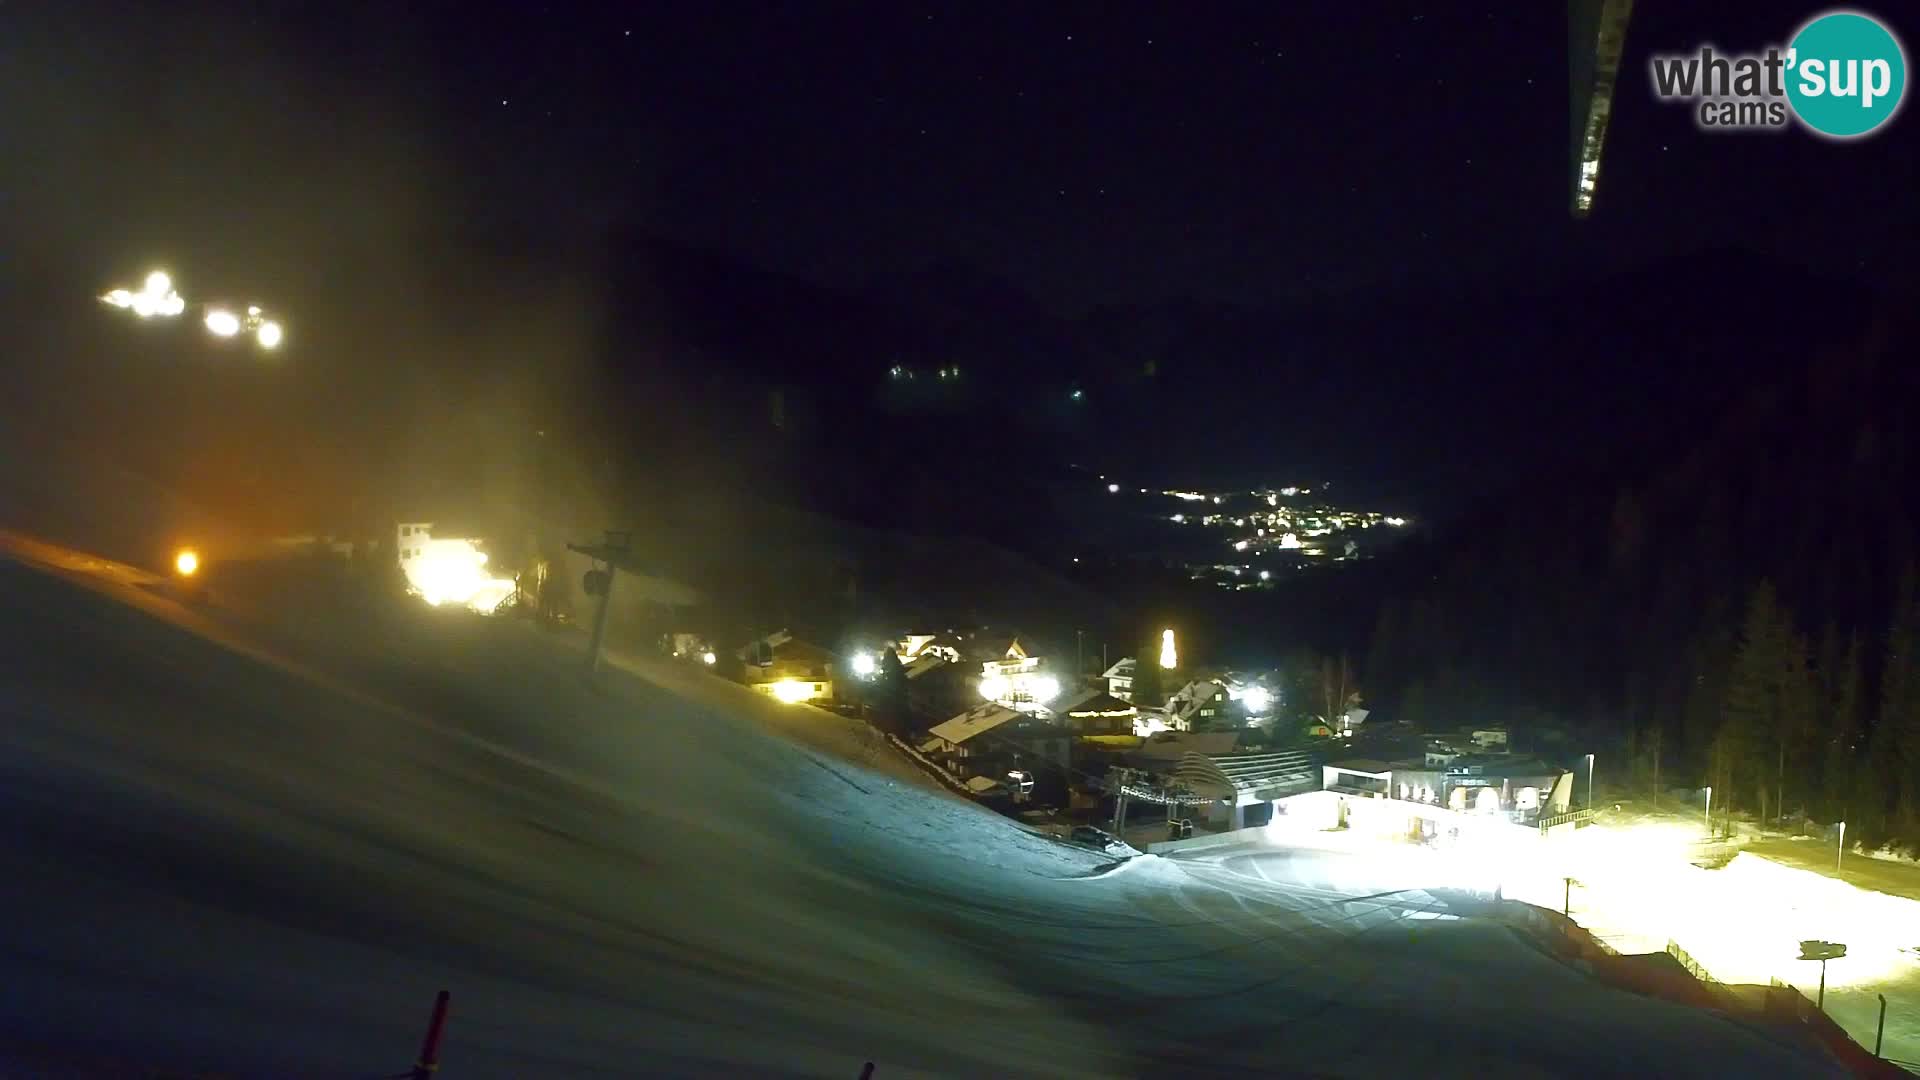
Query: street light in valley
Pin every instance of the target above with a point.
(1589, 781)
(1841, 852)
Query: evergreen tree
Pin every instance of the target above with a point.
(1149, 680)
(1415, 709)
(1708, 663)
(1338, 690)
(1839, 780)
(1768, 703)
(890, 692)
(1897, 731)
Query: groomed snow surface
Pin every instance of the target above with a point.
(256, 835)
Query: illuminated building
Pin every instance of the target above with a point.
(789, 670)
(1515, 789)
(989, 739)
(1095, 712)
(449, 571)
(1200, 705)
(1018, 680)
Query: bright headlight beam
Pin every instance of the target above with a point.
(792, 691)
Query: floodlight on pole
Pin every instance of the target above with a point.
(1841, 853)
(1043, 688)
(155, 298)
(1589, 781)
(222, 323)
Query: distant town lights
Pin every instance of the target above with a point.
(1113, 489)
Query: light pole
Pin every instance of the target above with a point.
(1822, 951)
(1709, 814)
(1841, 853)
(1589, 781)
(600, 583)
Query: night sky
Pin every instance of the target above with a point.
(1102, 153)
(1092, 153)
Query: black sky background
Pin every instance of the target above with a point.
(1375, 196)
(1113, 153)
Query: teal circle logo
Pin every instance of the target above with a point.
(1846, 74)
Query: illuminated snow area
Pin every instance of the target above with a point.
(288, 820)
